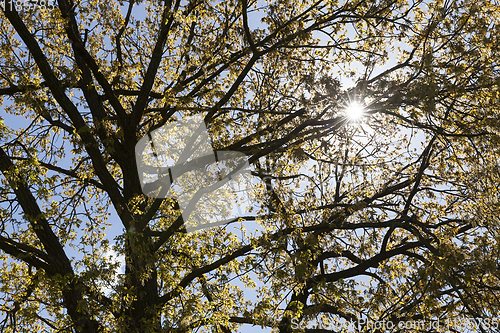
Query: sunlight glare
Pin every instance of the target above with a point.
(354, 111)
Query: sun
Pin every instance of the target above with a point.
(354, 111)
